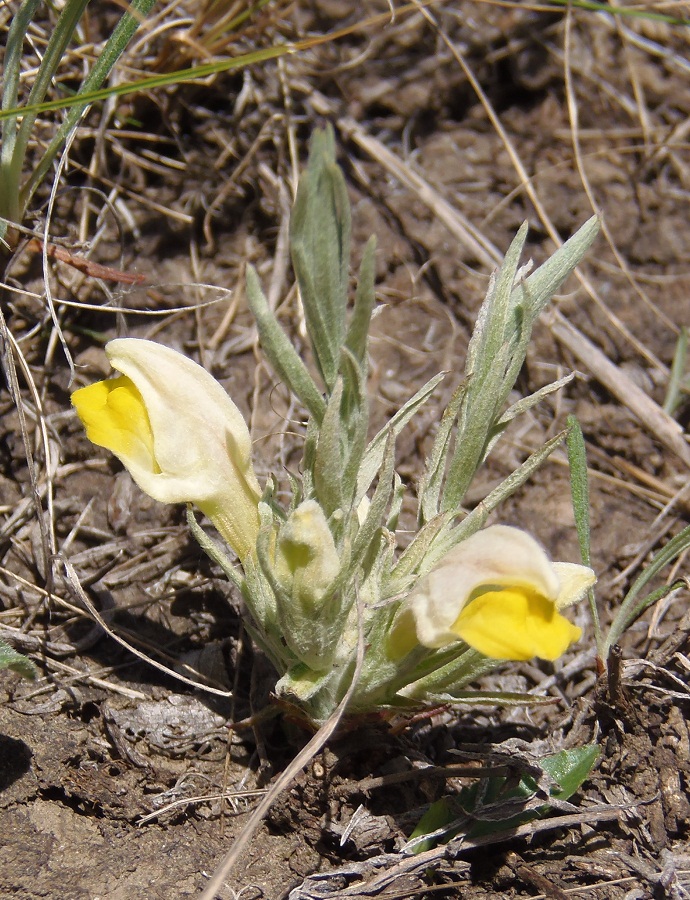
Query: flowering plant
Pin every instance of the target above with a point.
(330, 598)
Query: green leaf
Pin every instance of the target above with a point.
(354, 422)
(280, 352)
(497, 351)
(328, 463)
(579, 490)
(370, 527)
(410, 561)
(497, 331)
(579, 485)
(569, 768)
(432, 480)
(481, 803)
(320, 247)
(507, 699)
(301, 683)
(10, 659)
(520, 407)
(448, 538)
(526, 403)
(448, 669)
(396, 506)
(371, 462)
(439, 814)
(213, 551)
(539, 288)
(679, 382)
(358, 330)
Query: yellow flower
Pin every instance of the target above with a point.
(178, 433)
(499, 593)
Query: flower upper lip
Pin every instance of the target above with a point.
(178, 433)
(198, 431)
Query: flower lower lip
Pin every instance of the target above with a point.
(498, 591)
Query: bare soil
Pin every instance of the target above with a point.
(112, 772)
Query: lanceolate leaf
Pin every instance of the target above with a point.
(432, 480)
(365, 298)
(355, 421)
(539, 288)
(280, 352)
(328, 464)
(373, 456)
(498, 347)
(320, 246)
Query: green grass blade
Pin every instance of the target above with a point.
(115, 46)
(195, 73)
(12, 69)
(57, 45)
(595, 6)
(677, 383)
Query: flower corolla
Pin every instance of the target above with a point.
(178, 433)
(499, 593)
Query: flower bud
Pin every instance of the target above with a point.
(306, 559)
(306, 564)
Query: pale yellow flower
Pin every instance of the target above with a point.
(178, 433)
(499, 593)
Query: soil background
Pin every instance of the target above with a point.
(111, 772)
